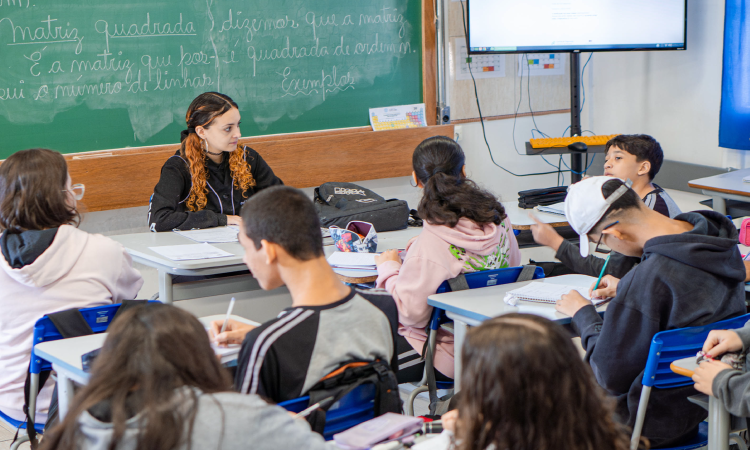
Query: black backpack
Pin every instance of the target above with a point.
(345, 379)
(340, 203)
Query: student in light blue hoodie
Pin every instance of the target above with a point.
(157, 385)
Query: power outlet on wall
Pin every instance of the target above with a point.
(458, 133)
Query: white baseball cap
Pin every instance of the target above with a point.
(585, 205)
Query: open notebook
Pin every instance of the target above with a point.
(547, 293)
(230, 350)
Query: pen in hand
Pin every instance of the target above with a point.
(307, 411)
(229, 313)
(604, 267)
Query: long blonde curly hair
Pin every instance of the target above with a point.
(201, 113)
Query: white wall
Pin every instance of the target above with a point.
(500, 137)
(674, 96)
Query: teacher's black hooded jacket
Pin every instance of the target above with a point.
(167, 209)
(683, 280)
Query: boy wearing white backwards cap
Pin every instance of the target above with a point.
(690, 274)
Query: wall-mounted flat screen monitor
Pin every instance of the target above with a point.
(540, 26)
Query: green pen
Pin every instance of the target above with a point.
(604, 267)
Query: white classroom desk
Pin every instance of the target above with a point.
(137, 245)
(65, 357)
(474, 306)
(723, 187)
(718, 416)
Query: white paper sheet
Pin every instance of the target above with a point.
(212, 235)
(442, 441)
(482, 66)
(535, 64)
(190, 251)
(557, 208)
(350, 260)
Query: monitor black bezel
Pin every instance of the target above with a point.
(573, 50)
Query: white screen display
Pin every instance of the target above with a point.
(586, 25)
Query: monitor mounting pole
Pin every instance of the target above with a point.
(576, 159)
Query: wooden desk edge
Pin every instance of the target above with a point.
(681, 371)
(357, 280)
(553, 225)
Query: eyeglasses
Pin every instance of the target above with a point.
(598, 248)
(77, 190)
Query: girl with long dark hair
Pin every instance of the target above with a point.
(157, 385)
(524, 386)
(209, 178)
(465, 230)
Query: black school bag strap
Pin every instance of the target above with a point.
(69, 323)
(126, 305)
(527, 273)
(349, 376)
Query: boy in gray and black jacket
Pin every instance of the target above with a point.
(328, 325)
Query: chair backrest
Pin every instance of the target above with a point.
(671, 345)
(354, 408)
(492, 277)
(98, 318)
(39, 427)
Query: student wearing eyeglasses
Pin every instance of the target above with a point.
(690, 274)
(47, 264)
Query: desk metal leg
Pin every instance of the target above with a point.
(459, 336)
(718, 425)
(165, 287)
(64, 394)
(719, 204)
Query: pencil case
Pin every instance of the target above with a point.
(358, 237)
(387, 427)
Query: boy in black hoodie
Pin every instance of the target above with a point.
(690, 274)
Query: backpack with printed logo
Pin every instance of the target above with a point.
(340, 203)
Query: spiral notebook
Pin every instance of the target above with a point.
(548, 293)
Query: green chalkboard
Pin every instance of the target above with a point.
(105, 74)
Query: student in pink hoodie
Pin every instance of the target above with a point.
(465, 230)
(47, 265)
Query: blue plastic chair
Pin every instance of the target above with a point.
(97, 317)
(20, 425)
(474, 280)
(493, 277)
(354, 408)
(667, 347)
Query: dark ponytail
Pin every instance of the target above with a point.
(448, 195)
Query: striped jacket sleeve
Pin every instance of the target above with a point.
(260, 367)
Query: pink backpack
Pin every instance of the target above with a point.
(745, 232)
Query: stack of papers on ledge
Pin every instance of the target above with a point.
(190, 251)
(350, 260)
(212, 235)
(557, 208)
